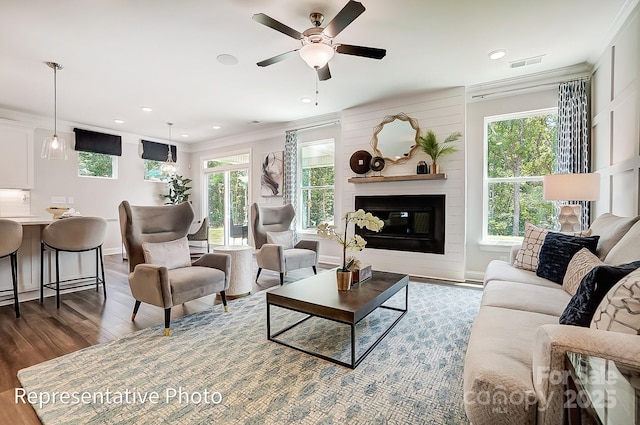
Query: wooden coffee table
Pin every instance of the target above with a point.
(318, 296)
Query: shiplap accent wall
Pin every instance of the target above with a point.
(616, 121)
(442, 111)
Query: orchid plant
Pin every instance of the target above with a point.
(355, 242)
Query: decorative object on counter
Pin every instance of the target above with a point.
(436, 150)
(57, 211)
(355, 242)
(178, 187)
(169, 168)
(396, 138)
(272, 179)
(422, 168)
(54, 147)
(360, 162)
(377, 164)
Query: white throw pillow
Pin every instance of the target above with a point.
(581, 264)
(619, 310)
(171, 254)
(281, 238)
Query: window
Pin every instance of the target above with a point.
(153, 171)
(92, 164)
(316, 174)
(519, 150)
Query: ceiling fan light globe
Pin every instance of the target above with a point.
(316, 55)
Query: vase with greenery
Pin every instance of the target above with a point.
(432, 147)
(178, 190)
(355, 242)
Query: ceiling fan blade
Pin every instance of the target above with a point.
(276, 59)
(351, 11)
(367, 52)
(276, 25)
(323, 73)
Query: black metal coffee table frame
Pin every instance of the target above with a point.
(350, 307)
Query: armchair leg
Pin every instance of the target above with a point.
(135, 310)
(314, 270)
(258, 275)
(281, 279)
(167, 320)
(223, 295)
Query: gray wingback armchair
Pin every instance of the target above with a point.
(159, 233)
(272, 223)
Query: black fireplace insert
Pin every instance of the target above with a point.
(411, 222)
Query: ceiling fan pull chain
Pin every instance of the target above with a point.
(317, 78)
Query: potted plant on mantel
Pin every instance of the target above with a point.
(178, 187)
(432, 147)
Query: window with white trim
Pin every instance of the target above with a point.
(316, 182)
(519, 150)
(91, 164)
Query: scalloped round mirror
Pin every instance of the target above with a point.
(396, 138)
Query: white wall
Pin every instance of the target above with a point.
(615, 123)
(443, 112)
(97, 196)
(478, 254)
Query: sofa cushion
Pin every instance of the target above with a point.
(626, 250)
(619, 310)
(498, 270)
(557, 251)
(591, 291)
(581, 264)
(524, 297)
(171, 254)
(611, 229)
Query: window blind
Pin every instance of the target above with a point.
(157, 151)
(92, 141)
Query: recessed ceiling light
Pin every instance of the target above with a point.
(118, 121)
(226, 59)
(305, 100)
(185, 135)
(216, 127)
(146, 109)
(497, 54)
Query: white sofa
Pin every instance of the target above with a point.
(516, 342)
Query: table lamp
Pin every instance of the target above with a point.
(571, 187)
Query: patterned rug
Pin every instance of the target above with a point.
(220, 368)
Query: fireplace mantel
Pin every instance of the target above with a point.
(376, 179)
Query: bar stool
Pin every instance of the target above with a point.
(10, 241)
(73, 234)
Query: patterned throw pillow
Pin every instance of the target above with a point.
(527, 257)
(619, 311)
(591, 291)
(558, 250)
(581, 264)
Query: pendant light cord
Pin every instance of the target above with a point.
(55, 100)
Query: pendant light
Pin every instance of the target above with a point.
(169, 167)
(54, 147)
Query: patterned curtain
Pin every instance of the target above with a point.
(574, 145)
(291, 170)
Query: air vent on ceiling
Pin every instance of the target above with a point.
(525, 62)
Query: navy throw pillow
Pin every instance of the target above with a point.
(557, 251)
(593, 288)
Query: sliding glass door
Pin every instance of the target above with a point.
(227, 183)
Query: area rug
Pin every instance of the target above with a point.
(219, 368)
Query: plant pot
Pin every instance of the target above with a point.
(435, 168)
(344, 280)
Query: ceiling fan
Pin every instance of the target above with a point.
(317, 42)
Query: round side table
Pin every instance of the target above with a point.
(240, 283)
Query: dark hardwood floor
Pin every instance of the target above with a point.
(84, 319)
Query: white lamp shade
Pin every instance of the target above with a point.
(316, 55)
(571, 187)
